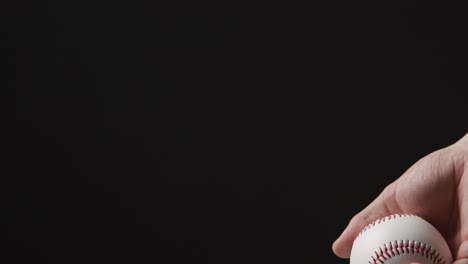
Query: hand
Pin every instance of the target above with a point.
(435, 188)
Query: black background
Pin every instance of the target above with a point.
(217, 132)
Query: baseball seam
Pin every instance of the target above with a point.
(397, 248)
(386, 218)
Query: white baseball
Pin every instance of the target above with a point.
(400, 239)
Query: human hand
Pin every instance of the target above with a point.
(435, 188)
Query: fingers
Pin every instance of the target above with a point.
(461, 261)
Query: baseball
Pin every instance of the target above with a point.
(400, 239)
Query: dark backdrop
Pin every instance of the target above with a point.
(222, 132)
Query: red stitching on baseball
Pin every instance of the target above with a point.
(397, 248)
(381, 220)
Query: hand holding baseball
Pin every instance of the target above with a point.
(434, 188)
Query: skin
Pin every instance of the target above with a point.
(436, 188)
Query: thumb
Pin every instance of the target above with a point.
(374, 211)
(342, 246)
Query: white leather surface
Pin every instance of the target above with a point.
(405, 227)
